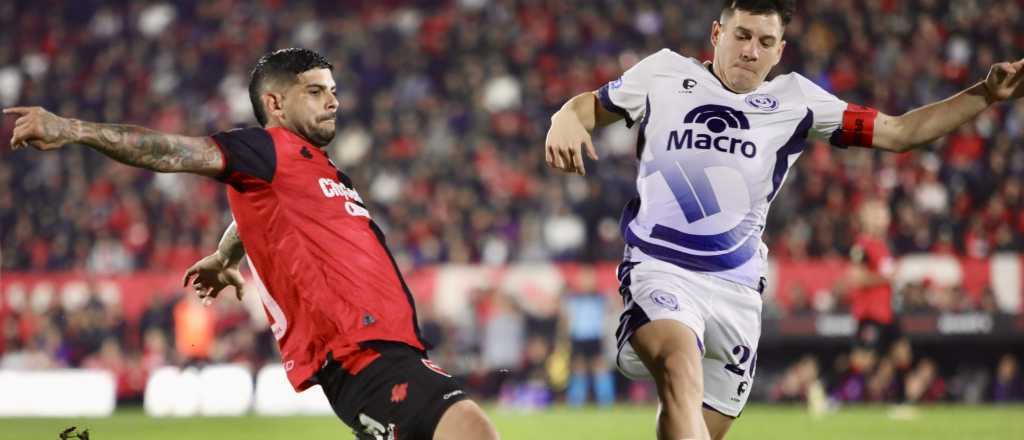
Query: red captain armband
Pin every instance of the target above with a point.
(858, 127)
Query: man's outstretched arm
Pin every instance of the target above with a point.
(920, 126)
(128, 144)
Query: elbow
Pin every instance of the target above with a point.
(897, 137)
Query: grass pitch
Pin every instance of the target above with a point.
(759, 422)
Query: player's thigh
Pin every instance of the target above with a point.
(671, 353)
(465, 420)
(401, 394)
(718, 423)
(667, 307)
(731, 340)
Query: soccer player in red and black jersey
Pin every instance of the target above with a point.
(869, 285)
(338, 306)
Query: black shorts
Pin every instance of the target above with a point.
(401, 395)
(875, 336)
(587, 348)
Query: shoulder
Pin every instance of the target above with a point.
(250, 136)
(668, 58)
(802, 85)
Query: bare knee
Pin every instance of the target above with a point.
(465, 420)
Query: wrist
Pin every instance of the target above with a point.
(986, 92)
(71, 131)
(560, 114)
(222, 258)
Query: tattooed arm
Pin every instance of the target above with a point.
(218, 270)
(230, 248)
(128, 144)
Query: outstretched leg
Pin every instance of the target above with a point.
(672, 354)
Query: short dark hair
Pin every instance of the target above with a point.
(761, 7)
(282, 65)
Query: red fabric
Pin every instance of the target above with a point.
(874, 302)
(326, 280)
(858, 126)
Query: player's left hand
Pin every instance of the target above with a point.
(39, 128)
(1005, 81)
(212, 275)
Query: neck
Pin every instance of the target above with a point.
(719, 72)
(278, 124)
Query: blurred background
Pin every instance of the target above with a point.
(443, 110)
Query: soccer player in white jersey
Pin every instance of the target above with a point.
(715, 143)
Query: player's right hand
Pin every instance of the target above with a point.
(212, 274)
(39, 128)
(563, 148)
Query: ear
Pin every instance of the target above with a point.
(716, 33)
(273, 105)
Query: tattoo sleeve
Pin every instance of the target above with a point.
(150, 149)
(230, 247)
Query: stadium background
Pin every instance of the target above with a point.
(444, 107)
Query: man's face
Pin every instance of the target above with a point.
(747, 46)
(309, 106)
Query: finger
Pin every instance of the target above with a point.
(188, 274)
(207, 302)
(577, 161)
(566, 158)
(18, 138)
(234, 278)
(17, 110)
(548, 156)
(557, 160)
(591, 151)
(1005, 68)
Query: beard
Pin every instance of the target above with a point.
(319, 134)
(320, 137)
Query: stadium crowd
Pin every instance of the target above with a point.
(525, 357)
(444, 106)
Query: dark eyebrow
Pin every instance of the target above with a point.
(320, 87)
(750, 32)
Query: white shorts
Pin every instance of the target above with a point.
(725, 316)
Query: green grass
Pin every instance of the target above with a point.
(759, 422)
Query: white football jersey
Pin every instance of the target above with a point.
(711, 161)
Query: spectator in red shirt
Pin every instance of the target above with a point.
(869, 283)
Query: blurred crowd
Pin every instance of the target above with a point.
(444, 108)
(523, 356)
(897, 376)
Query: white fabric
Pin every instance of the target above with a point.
(725, 316)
